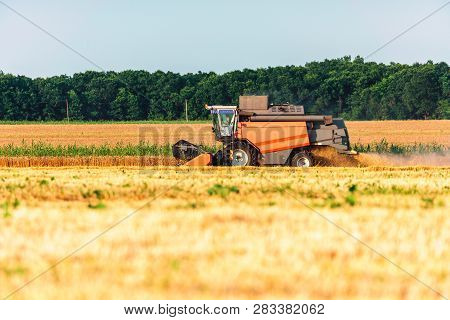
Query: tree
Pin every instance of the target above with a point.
(342, 87)
(75, 106)
(125, 106)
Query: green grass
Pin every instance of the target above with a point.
(42, 149)
(385, 147)
(222, 191)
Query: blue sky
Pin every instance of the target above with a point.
(200, 35)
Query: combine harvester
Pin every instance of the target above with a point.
(256, 133)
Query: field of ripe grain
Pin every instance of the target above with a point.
(99, 134)
(398, 132)
(225, 232)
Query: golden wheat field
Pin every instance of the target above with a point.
(399, 132)
(238, 233)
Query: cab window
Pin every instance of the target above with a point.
(226, 119)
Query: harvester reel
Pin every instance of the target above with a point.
(184, 150)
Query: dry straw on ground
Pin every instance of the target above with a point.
(94, 161)
(225, 232)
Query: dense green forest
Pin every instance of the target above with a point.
(353, 89)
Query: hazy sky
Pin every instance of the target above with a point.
(188, 36)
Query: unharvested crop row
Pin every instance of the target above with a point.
(42, 149)
(383, 146)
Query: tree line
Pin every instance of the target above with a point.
(350, 88)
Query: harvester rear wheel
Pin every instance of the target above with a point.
(302, 159)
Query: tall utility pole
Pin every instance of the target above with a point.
(186, 109)
(67, 109)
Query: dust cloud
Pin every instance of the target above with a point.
(329, 157)
(429, 159)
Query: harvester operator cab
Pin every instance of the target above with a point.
(224, 121)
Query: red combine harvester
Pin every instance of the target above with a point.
(256, 133)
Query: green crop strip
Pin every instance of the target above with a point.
(43, 149)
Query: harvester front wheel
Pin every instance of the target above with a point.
(241, 154)
(302, 159)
